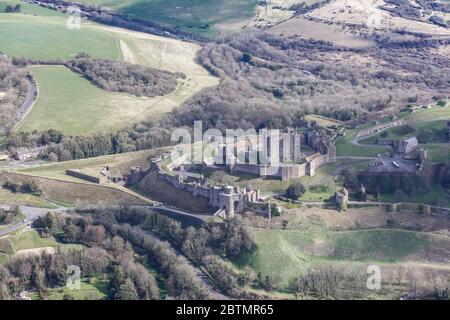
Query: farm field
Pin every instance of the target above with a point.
(192, 15)
(22, 36)
(70, 103)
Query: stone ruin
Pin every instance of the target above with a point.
(292, 162)
(227, 199)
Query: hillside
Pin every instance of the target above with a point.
(99, 42)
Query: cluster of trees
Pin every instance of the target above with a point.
(146, 135)
(128, 279)
(107, 16)
(444, 176)
(205, 246)
(399, 184)
(405, 9)
(30, 187)
(7, 217)
(104, 256)
(13, 9)
(120, 76)
(402, 8)
(302, 7)
(13, 90)
(270, 79)
(295, 190)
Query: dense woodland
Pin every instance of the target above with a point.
(119, 76)
(13, 91)
(142, 255)
(119, 243)
(294, 75)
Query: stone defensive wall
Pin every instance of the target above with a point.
(286, 171)
(367, 132)
(224, 198)
(84, 176)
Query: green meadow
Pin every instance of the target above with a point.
(22, 35)
(289, 253)
(70, 103)
(193, 15)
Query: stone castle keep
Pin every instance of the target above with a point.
(292, 163)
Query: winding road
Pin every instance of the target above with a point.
(32, 214)
(29, 101)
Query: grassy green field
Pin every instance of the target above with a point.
(345, 147)
(436, 127)
(70, 103)
(90, 289)
(23, 35)
(192, 15)
(7, 197)
(288, 253)
(31, 240)
(30, 9)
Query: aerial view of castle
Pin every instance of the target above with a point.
(231, 150)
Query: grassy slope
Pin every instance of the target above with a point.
(31, 240)
(121, 161)
(7, 197)
(70, 103)
(66, 101)
(23, 35)
(92, 290)
(191, 15)
(288, 253)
